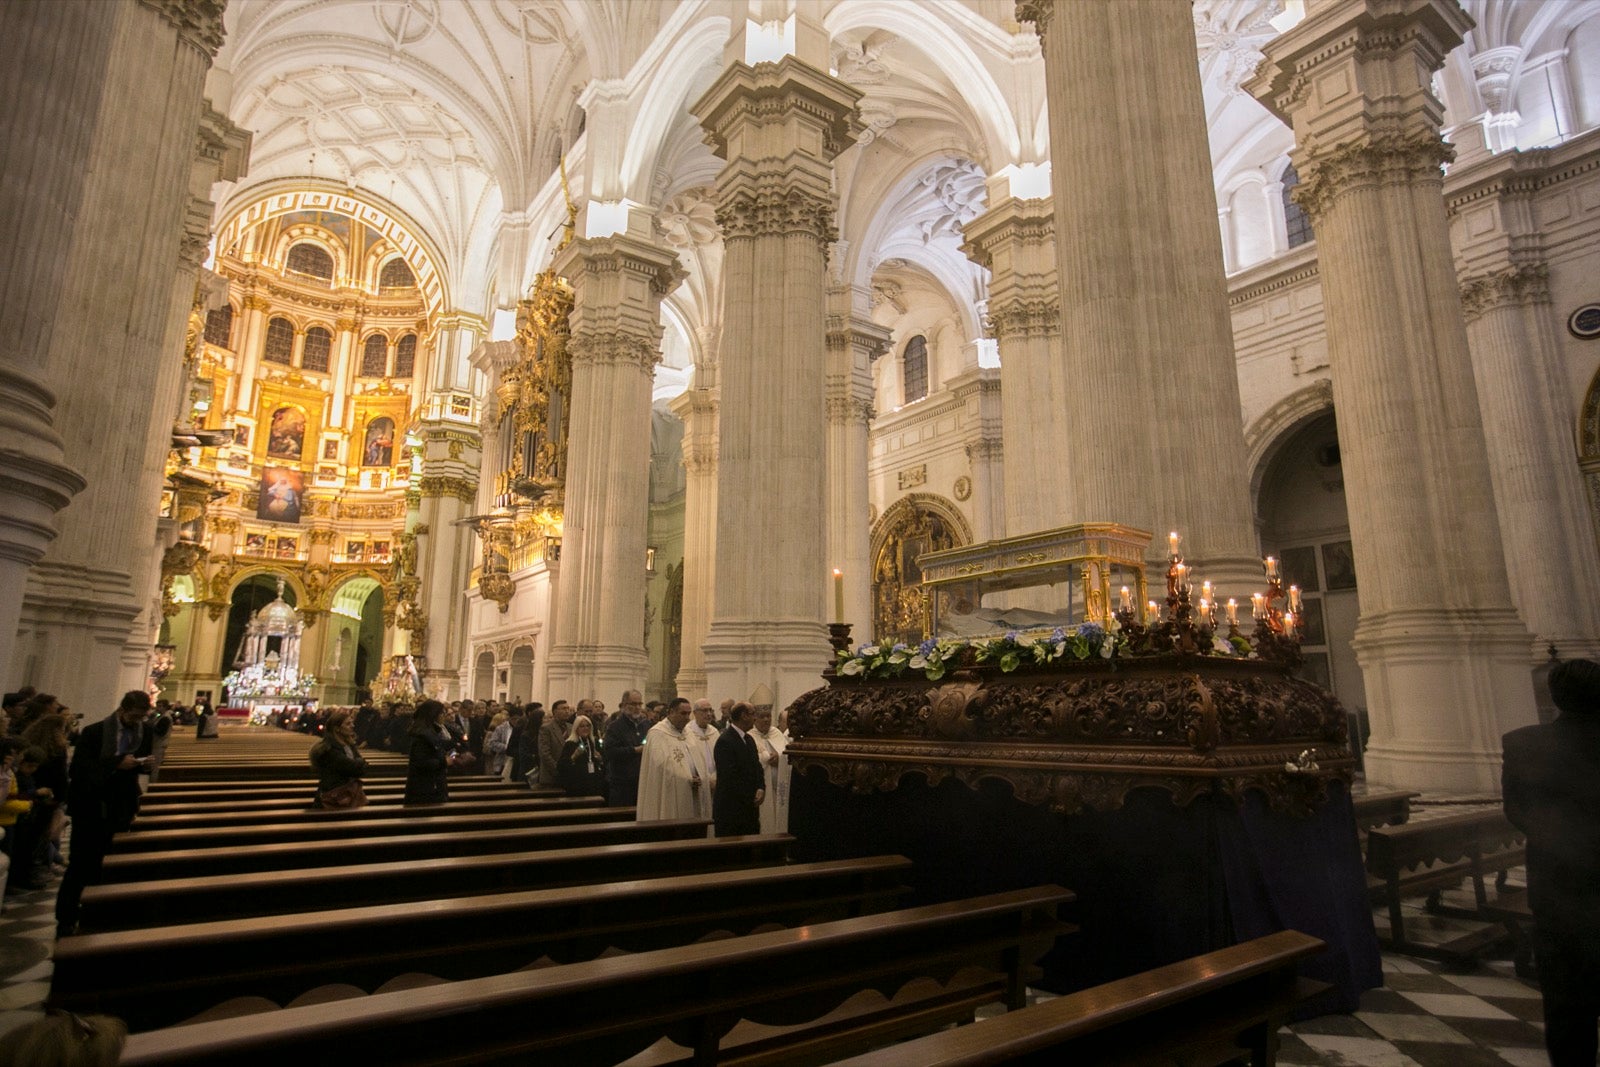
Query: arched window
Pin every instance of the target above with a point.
(914, 367)
(396, 275)
(405, 356)
(308, 259)
(318, 347)
(1295, 220)
(375, 357)
(219, 327)
(280, 341)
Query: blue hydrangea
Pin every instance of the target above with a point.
(899, 646)
(1090, 630)
(1058, 634)
(1012, 635)
(927, 647)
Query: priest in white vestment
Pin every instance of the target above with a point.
(770, 743)
(703, 737)
(672, 780)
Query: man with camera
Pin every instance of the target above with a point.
(106, 764)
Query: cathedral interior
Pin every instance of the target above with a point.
(530, 364)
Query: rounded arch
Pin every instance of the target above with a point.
(913, 525)
(947, 50)
(664, 97)
(1268, 433)
(291, 582)
(250, 207)
(909, 506)
(319, 239)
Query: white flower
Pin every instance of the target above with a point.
(1107, 647)
(870, 650)
(918, 662)
(852, 667)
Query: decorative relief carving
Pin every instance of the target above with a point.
(1083, 739)
(984, 448)
(1523, 285)
(763, 212)
(963, 488)
(615, 348)
(1037, 12)
(1024, 317)
(198, 22)
(850, 409)
(912, 477)
(1386, 159)
(463, 489)
(689, 219)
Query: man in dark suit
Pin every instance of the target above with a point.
(1551, 784)
(106, 764)
(741, 782)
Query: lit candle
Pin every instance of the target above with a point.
(838, 595)
(1294, 598)
(1152, 612)
(1172, 541)
(1205, 609)
(1205, 590)
(1126, 601)
(1288, 622)
(1183, 572)
(1272, 568)
(1258, 605)
(1233, 612)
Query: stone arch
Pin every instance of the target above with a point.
(916, 523)
(1273, 427)
(291, 580)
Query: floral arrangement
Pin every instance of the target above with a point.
(1010, 652)
(261, 680)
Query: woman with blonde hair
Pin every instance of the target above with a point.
(581, 768)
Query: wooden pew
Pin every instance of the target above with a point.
(401, 844)
(177, 772)
(183, 900)
(396, 824)
(233, 817)
(606, 1010)
(161, 796)
(1382, 807)
(161, 976)
(1199, 1012)
(1436, 854)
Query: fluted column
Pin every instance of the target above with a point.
(1544, 516)
(779, 127)
(446, 551)
(618, 284)
(111, 350)
(1153, 409)
(1015, 241)
(252, 336)
(53, 61)
(344, 348)
(698, 410)
(1445, 658)
(854, 341)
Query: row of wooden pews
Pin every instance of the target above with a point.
(238, 926)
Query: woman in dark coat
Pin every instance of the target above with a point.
(581, 769)
(432, 753)
(338, 764)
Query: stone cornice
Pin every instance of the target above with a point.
(198, 22)
(1299, 265)
(1519, 173)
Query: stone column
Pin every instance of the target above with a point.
(1445, 658)
(53, 63)
(1015, 242)
(1518, 367)
(698, 410)
(854, 341)
(618, 284)
(779, 127)
(110, 346)
(1152, 403)
(344, 349)
(252, 334)
(446, 552)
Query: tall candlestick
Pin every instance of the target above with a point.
(1272, 568)
(1205, 591)
(838, 595)
(1258, 604)
(1152, 613)
(1294, 598)
(1233, 612)
(1125, 602)
(1205, 609)
(1172, 542)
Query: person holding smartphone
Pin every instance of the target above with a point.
(106, 764)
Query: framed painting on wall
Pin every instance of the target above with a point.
(1339, 564)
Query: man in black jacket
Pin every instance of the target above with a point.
(1551, 784)
(741, 781)
(104, 774)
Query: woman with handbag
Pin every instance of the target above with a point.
(339, 767)
(581, 769)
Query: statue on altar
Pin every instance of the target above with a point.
(266, 676)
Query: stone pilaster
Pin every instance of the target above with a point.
(49, 104)
(251, 338)
(1445, 658)
(854, 341)
(111, 351)
(618, 284)
(1511, 331)
(452, 456)
(698, 410)
(1015, 241)
(1151, 389)
(778, 126)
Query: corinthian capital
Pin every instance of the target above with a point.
(613, 349)
(1037, 12)
(198, 22)
(1522, 285)
(1386, 159)
(760, 212)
